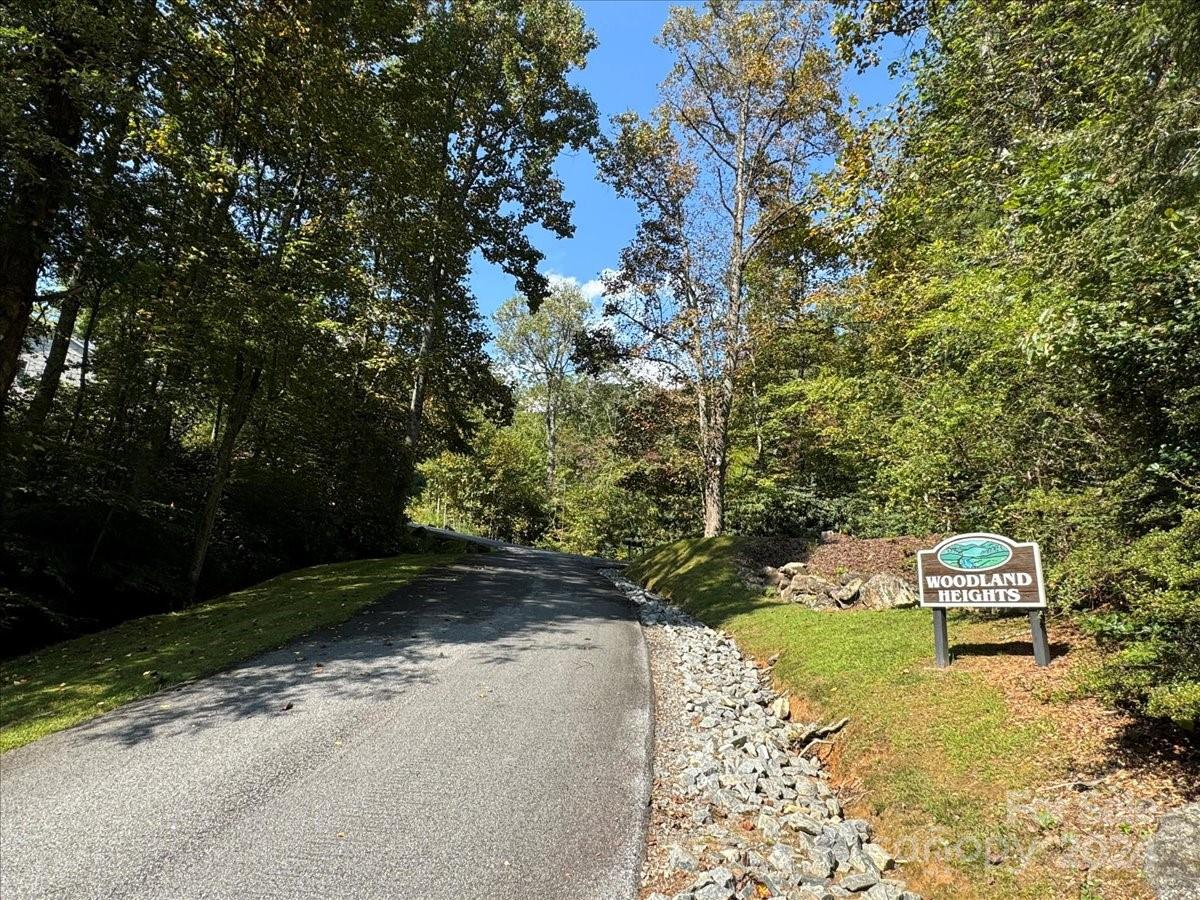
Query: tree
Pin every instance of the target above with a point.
(722, 171)
(487, 139)
(497, 490)
(1021, 333)
(538, 347)
(262, 215)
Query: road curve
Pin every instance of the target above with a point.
(482, 733)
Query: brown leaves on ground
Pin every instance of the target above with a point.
(1111, 778)
(832, 554)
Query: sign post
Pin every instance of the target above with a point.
(1041, 644)
(941, 640)
(983, 571)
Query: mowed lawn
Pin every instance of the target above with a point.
(929, 754)
(68, 683)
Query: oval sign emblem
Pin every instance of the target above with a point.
(974, 554)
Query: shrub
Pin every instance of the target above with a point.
(1153, 623)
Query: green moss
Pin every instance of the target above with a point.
(71, 682)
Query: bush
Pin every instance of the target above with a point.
(765, 506)
(1153, 624)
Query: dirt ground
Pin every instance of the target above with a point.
(1112, 776)
(833, 555)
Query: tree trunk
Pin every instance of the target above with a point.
(64, 330)
(216, 426)
(18, 280)
(715, 464)
(416, 400)
(27, 222)
(714, 501)
(715, 415)
(88, 329)
(713, 419)
(239, 410)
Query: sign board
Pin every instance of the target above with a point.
(981, 570)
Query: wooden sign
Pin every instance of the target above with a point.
(983, 571)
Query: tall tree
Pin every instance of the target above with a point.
(722, 171)
(66, 67)
(488, 135)
(538, 347)
(267, 213)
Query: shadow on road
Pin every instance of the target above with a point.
(493, 603)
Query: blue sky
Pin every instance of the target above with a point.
(623, 72)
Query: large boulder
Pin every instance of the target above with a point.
(1173, 857)
(815, 601)
(812, 584)
(886, 592)
(810, 590)
(774, 577)
(848, 592)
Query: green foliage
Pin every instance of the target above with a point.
(595, 515)
(257, 220)
(622, 474)
(538, 349)
(1153, 622)
(497, 491)
(616, 460)
(1016, 338)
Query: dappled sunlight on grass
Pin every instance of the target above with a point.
(68, 683)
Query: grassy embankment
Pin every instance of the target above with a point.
(68, 683)
(931, 754)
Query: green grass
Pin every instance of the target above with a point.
(932, 749)
(68, 683)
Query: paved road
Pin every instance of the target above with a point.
(483, 733)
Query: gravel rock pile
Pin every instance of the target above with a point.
(739, 812)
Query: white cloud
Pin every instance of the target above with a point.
(592, 289)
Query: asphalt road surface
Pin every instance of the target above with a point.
(483, 733)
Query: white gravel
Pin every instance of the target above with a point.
(738, 812)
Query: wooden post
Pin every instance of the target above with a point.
(1041, 645)
(941, 641)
